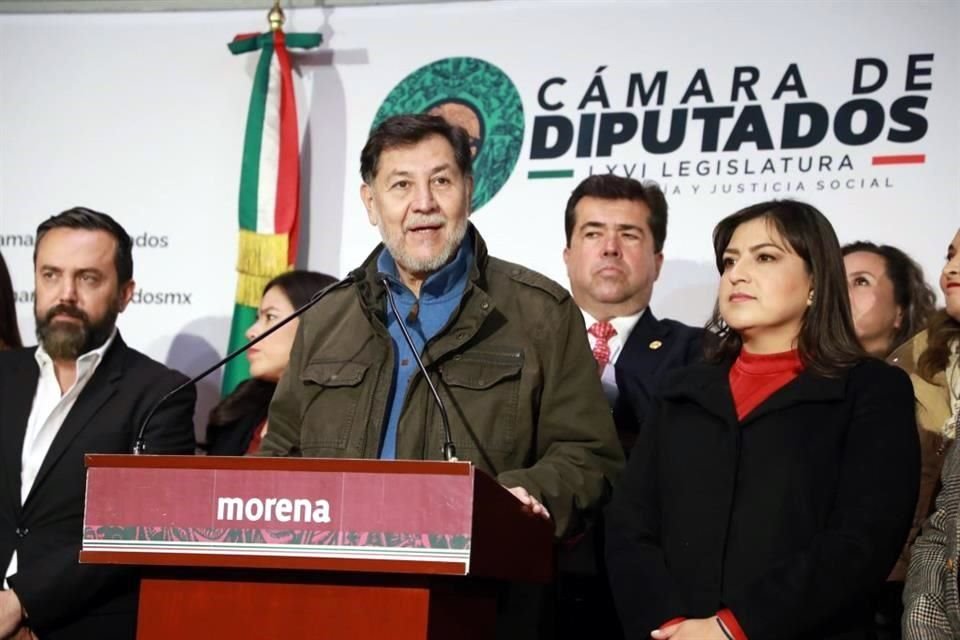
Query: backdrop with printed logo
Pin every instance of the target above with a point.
(850, 106)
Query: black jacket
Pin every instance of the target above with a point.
(64, 599)
(233, 438)
(790, 518)
(654, 349)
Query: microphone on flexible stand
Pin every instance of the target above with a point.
(449, 449)
(140, 444)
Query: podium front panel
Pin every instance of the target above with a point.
(342, 515)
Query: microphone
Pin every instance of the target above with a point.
(140, 443)
(449, 449)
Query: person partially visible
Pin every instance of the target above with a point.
(239, 422)
(9, 330)
(81, 390)
(771, 492)
(889, 297)
(891, 303)
(616, 228)
(931, 600)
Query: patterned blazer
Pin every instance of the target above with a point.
(930, 598)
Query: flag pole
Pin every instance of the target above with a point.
(275, 17)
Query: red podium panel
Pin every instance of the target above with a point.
(240, 547)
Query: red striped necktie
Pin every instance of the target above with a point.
(602, 331)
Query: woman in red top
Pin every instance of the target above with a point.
(770, 494)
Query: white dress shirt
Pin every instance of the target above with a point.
(624, 326)
(47, 414)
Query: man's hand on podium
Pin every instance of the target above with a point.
(23, 633)
(11, 613)
(530, 503)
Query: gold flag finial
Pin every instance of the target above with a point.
(276, 17)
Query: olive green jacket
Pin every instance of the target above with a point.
(513, 367)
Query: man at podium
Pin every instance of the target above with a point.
(504, 346)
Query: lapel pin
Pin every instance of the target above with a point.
(656, 344)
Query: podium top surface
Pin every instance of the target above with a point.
(342, 465)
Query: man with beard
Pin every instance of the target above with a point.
(615, 229)
(82, 390)
(504, 346)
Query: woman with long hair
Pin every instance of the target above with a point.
(771, 492)
(9, 330)
(889, 297)
(931, 600)
(238, 424)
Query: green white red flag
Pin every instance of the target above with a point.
(269, 203)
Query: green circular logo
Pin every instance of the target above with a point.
(480, 98)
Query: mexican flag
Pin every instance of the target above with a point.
(269, 205)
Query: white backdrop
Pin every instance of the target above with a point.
(142, 116)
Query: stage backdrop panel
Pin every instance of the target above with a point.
(850, 106)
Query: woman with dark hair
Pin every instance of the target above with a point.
(890, 299)
(9, 331)
(931, 601)
(771, 491)
(238, 424)
(891, 303)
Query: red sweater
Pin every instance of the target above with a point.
(754, 378)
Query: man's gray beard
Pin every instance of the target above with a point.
(69, 341)
(426, 265)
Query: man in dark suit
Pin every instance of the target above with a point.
(82, 390)
(615, 229)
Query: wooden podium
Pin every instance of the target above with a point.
(263, 548)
